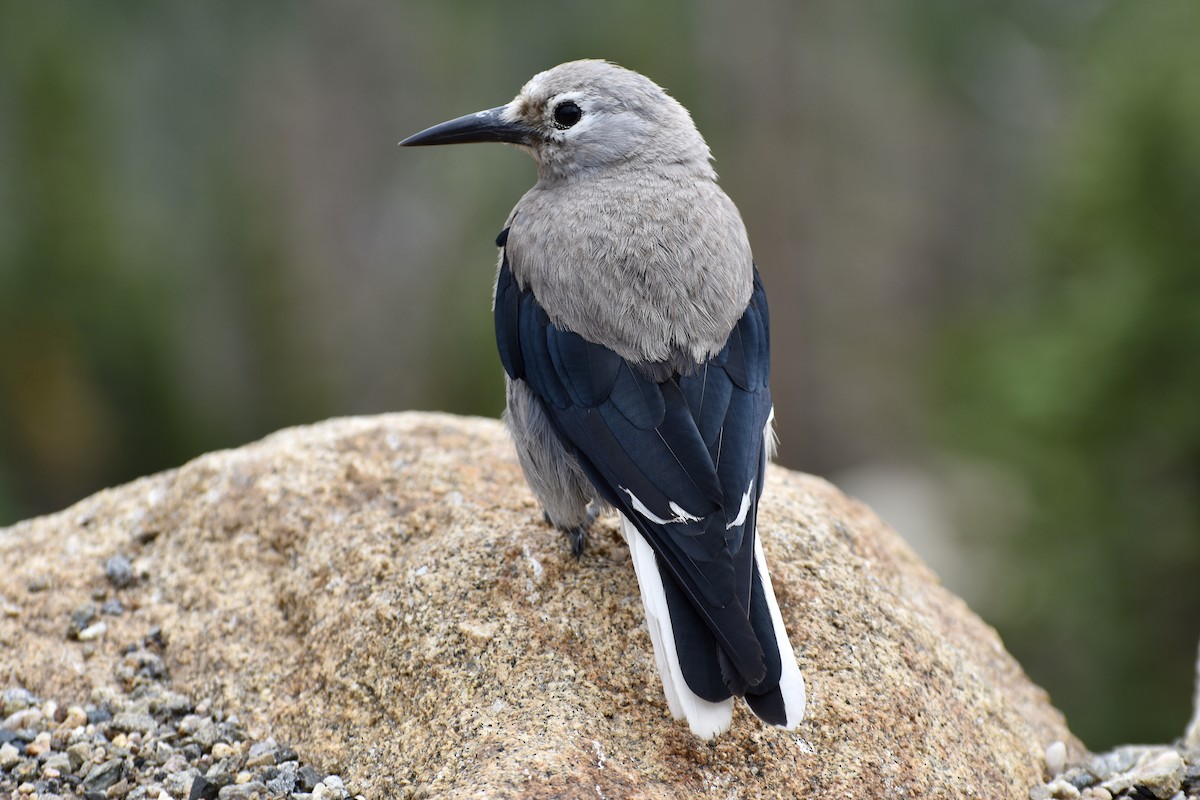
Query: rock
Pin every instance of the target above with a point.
(81, 617)
(1056, 758)
(284, 781)
(39, 746)
(74, 718)
(332, 788)
(203, 789)
(79, 754)
(102, 776)
(1159, 773)
(171, 703)
(93, 631)
(243, 791)
(20, 720)
(179, 784)
(308, 778)
(9, 756)
(112, 608)
(222, 750)
(16, 699)
(262, 753)
(318, 584)
(119, 571)
(219, 775)
(131, 721)
(1055, 790)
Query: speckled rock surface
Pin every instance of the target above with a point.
(381, 594)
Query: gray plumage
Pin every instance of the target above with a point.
(632, 325)
(606, 261)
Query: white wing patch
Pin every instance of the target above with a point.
(769, 438)
(744, 510)
(641, 508)
(680, 514)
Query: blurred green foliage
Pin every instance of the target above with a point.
(1085, 384)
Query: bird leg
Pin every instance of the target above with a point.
(577, 535)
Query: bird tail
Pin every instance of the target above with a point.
(784, 703)
(780, 704)
(706, 719)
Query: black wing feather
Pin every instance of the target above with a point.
(688, 449)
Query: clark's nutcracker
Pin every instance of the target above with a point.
(633, 327)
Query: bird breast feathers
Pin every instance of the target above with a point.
(650, 268)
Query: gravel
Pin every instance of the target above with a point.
(143, 742)
(1145, 772)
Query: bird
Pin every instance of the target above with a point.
(633, 329)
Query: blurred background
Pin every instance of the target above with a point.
(979, 224)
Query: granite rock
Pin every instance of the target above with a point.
(382, 594)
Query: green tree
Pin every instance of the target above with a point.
(1088, 388)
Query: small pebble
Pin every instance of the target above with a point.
(9, 756)
(222, 750)
(119, 571)
(1061, 790)
(129, 722)
(263, 760)
(102, 776)
(75, 717)
(203, 789)
(96, 716)
(58, 761)
(91, 632)
(1056, 758)
(285, 779)
(180, 783)
(81, 618)
(189, 724)
(242, 791)
(25, 718)
(39, 745)
(308, 778)
(16, 699)
(79, 753)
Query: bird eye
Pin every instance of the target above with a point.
(566, 114)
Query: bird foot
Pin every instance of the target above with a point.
(577, 535)
(578, 538)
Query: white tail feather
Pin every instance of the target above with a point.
(791, 682)
(706, 719)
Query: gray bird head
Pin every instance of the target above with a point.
(582, 117)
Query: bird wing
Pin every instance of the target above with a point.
(682, 459)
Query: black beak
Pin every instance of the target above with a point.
(482, 126)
